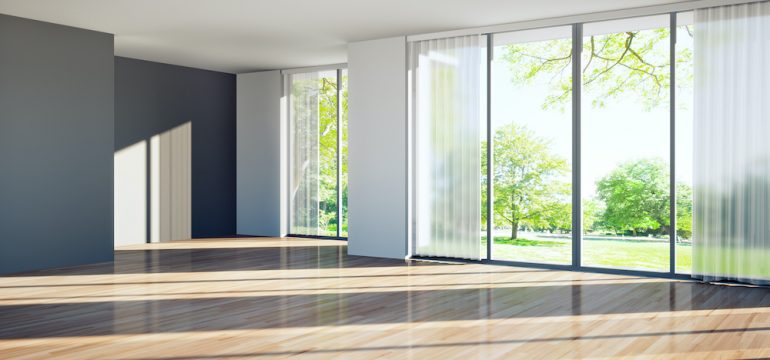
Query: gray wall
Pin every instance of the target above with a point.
(56, 145)
(152, 98)
(261, 177)
(377, 147)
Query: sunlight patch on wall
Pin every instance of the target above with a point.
(153, 186)
(131, 194)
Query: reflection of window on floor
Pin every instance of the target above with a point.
(318, 153)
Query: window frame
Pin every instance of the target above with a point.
(287, 88)
(577, 210)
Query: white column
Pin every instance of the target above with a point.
(377, 148)
(260, 146)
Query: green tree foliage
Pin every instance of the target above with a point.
(636, 195)
(327, 148)
(526, 182)
(528, 61)
(327, 108)
(557, 216)
(632, 62)
(592, 215)
(683, 211)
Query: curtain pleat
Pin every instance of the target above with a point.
(445, 106)
(304, 136)
(731, 162)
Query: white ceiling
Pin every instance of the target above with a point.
(247, 35)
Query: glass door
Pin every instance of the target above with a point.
(318, 153)
(625, 141)
(531, 109)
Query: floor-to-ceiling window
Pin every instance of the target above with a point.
(625, 143)
(684, 140)
(617, 164)
(317, 112)
(531, 110)
(343, 153)
(484, 132)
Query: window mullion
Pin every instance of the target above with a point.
(672, 145)
(339, 153)
(577, 212)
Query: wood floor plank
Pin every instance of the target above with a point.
(300, 298)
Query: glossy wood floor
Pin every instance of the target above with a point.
(274, 298)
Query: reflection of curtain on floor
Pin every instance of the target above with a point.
(732, 144)
(446, 116)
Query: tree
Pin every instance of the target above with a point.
(327, 152)
(558, 216)
(635, 62)
(526, 180)
(683, 211)
(324, 88)
(636, 195)
(592, 214)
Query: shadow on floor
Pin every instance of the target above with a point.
(326, 297)
(367, 307)
(228, 259)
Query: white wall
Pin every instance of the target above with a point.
(260, 176)
(377, 148)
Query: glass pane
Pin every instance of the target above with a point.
(625, 144)
(313, 155)
(684, 141)
(344, 151)
(532, 145)
(327, 135)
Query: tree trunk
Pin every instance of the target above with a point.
(514, 216)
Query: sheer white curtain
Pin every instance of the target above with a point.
(304, 153)
(445, 107)
(732, 144)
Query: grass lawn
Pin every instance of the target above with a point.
(627, 254)
(650, 255)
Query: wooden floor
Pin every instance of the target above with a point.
(285, 298)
